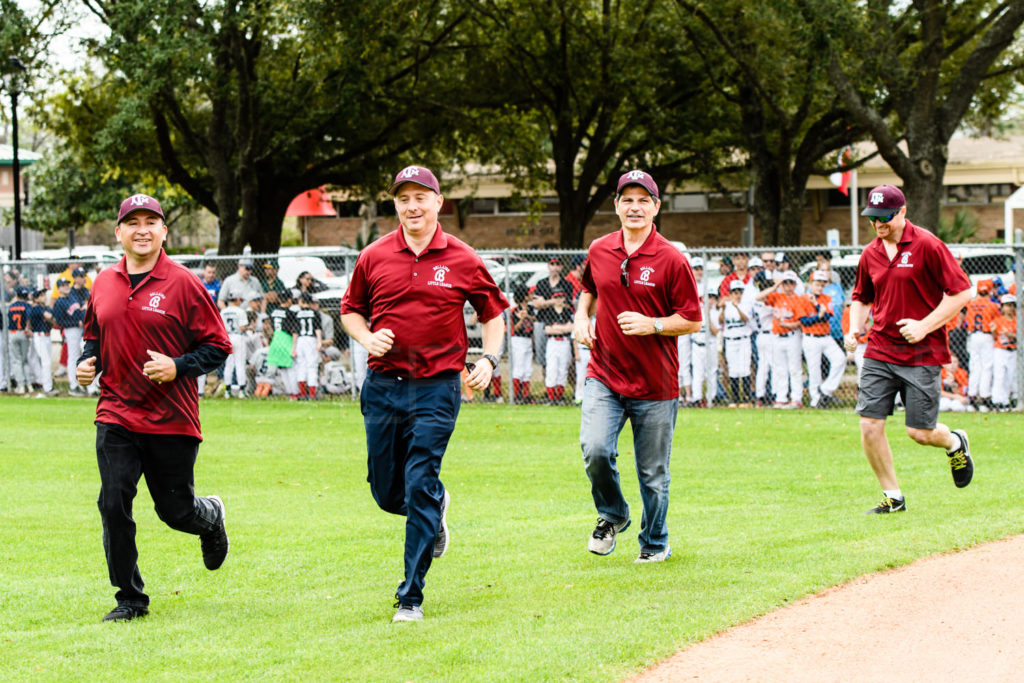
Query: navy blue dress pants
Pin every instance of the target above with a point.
(408, 424)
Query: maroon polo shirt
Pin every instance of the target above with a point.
(421, 299)
(909, 286)
(660, 284)
(169, 312)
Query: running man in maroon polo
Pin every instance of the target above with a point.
(151, 328)
(413, 284)
(911, 284)
(644, 295)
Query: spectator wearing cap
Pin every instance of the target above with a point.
(19, 338)
(912, 285)
(1004, 362)
(818, 344)
(521, 350)
(559, 349)
(210, 280)
(575, 275)
(763, 341)
(273, 286)
(151, 328)
(641, 294)
(981, 310)
(786, 370)
(240, 284)
(413, 284)
(740, 271)
(40, 320)
(542, 301)
(734, 317)
(68, 274)
(236, 322)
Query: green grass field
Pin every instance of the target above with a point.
(766, 507)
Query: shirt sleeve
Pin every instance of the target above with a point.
(484, 296)
(864, 288)
(357, 296)
(685, 299)
(954, 280)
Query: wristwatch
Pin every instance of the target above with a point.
(492, 360)
(659, 326)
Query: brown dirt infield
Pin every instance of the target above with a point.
(952, 617)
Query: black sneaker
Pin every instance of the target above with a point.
(960, 462)
(215, 543)
(125, 613)
(441, 542)
(889, 505)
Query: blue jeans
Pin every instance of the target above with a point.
(604, 415)
(408, 423)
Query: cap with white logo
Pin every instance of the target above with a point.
(640, 178)
(884, 200)
(416, 174)
(139, 202)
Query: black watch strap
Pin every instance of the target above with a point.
(492, 360)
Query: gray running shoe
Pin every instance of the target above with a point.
(602, 540)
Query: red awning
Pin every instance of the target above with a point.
(311, 203)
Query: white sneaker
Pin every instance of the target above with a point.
(408, 613)
(653, 557)
(602, 540)
(441, 543)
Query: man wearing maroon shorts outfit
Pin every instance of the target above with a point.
(644, 295)
(413, 284)
(911, 284)
(151, 328)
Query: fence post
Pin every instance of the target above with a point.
(507, 281)
(5, 355)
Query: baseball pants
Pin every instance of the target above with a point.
(167, 461)
(738, 353)
(951, 405)
(18, 350)
(581, 371)
(814, 349)
(307, 361)
(43, 348)
(685, 345)
(1004, 376)
(521, 358)
(765, 351)
(701, 371)
(73, 338)
(360, 357)
(979, 367)
(408, 424)
(787, 377)
(558, 354)
(234, 367)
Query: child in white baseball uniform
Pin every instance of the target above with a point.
(306, 348)
(818, 342)
(704, 355)
(735, 319)
(236, 322)
(1004, 360)
(762, 323)
(558, 353)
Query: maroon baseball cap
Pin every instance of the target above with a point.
(139, 202)
(416, 174)
(884, 200)
(640, 178)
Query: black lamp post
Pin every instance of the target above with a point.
(14, 82)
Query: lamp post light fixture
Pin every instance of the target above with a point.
(14, 82)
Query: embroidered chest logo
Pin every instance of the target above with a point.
(904, 261)
(156, 300)
(645, 276)
(440, 273)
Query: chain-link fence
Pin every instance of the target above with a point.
(730, 362)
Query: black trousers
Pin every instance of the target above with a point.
(167, 461)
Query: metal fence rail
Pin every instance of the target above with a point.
(544, 375)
